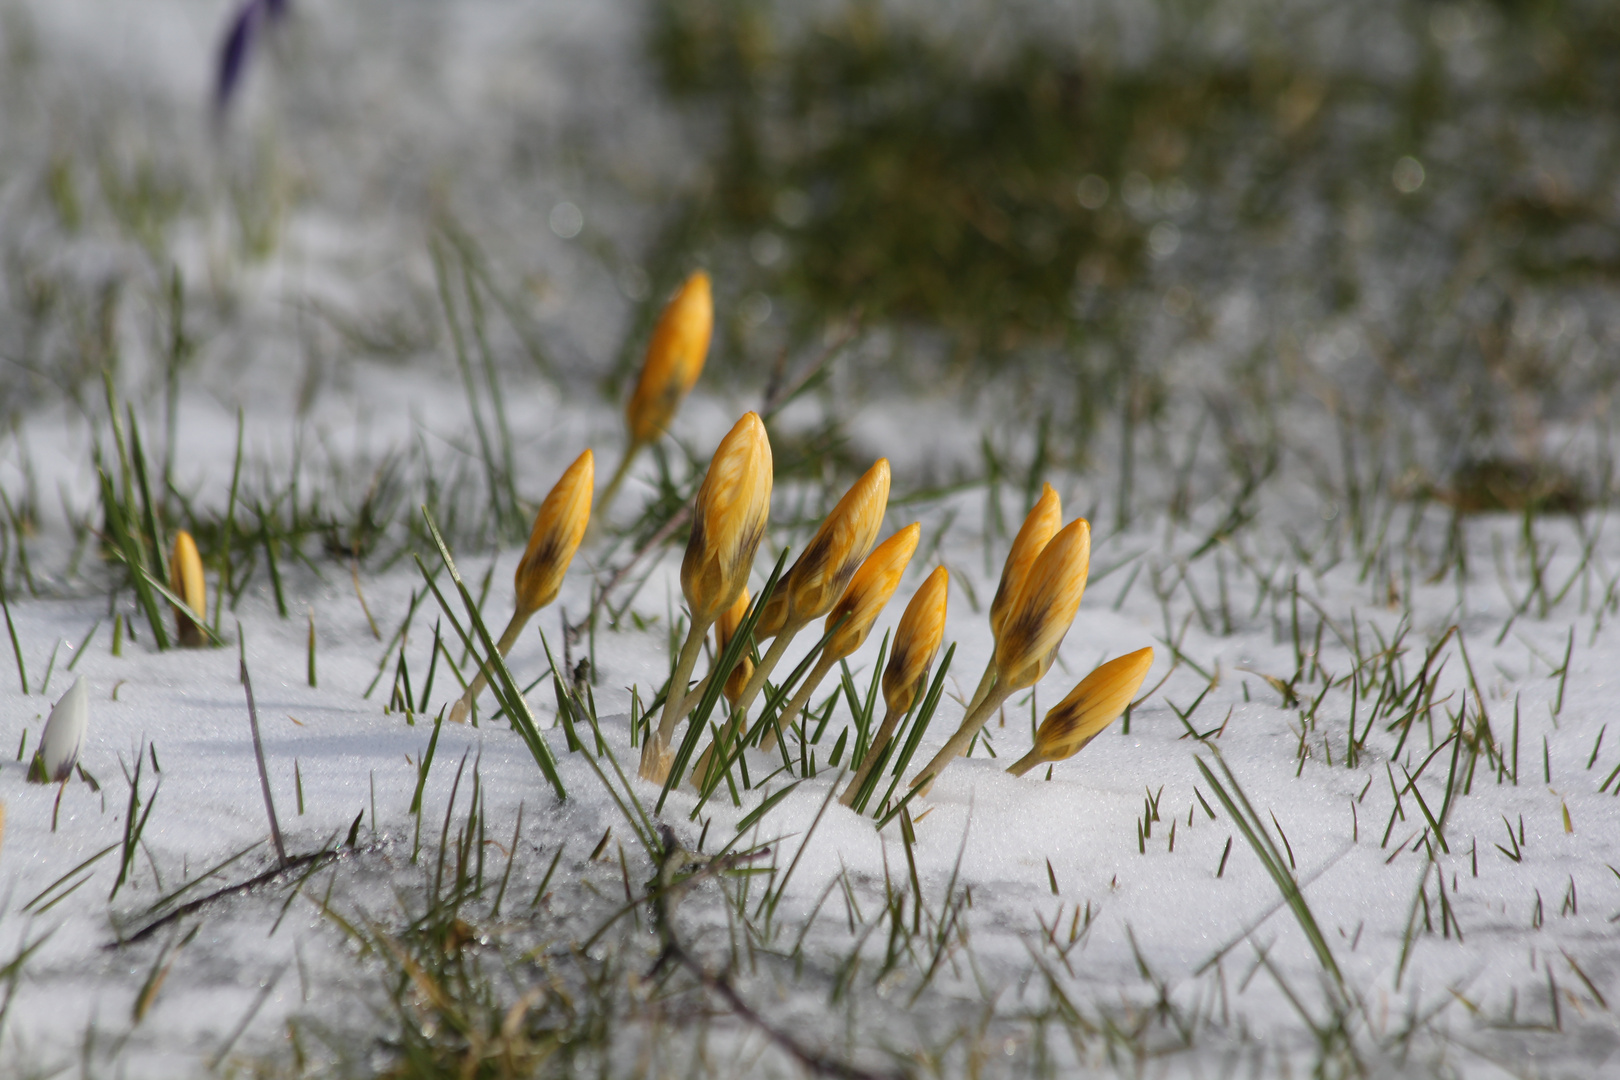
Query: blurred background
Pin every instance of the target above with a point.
(1184, 247)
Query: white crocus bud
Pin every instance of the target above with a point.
(64, 733)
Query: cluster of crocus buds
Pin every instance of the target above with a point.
(1037, 618)
(850, 619)
(812, 585)
(559, 526)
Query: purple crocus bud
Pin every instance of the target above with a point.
(238, 45)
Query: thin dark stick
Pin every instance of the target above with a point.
(219, 894)
(258, 752)
(777, 394)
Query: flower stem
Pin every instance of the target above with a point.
(739, 711)
(964, 735)
(599, 514)
(984, 684)
(654, 765)
(880, 742)
(509, 636)
(1026, 763)
(796, 703)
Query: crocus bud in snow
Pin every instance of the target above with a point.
(680, 342)
(186, 582)
(64, 734)
(851, 618)
(1044, 608)
(916, 642)
(822, 571)
(1042, 523)
(1037, 620)
(728, 520)
(1091, 706)
(558, 527)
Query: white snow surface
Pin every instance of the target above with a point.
(1535, 945)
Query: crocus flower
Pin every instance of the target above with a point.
(675, 356)
(728, 522)
(1091, 706)
(822, 571)
(674, 360)
(186, 581)
(59, 746)
(1040, 525)
(559, 525)
(1040, 616)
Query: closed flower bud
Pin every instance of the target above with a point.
(823, 570)
(64, 735)
(1091, 706)
(1044, 608)
(1043, 522)
(851, 618)
(728, 520)
(674, 359)
(558, 527)
(725, 628)
(186, 581)
(916, 642)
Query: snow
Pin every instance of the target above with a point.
(1033, 851)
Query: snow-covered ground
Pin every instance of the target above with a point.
(1412, 702)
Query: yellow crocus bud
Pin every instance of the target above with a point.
(916, 642)
(1042, 523)
(1091, 706)
(186, 581)
(728, 520)
(851, 618)
(559, 525)
(725, 628)
(823, 570)
(674, 359)
(1044, 608)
